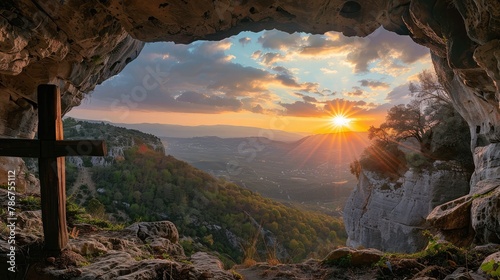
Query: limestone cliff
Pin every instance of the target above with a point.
(391, 216)
(78, 44)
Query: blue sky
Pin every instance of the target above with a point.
(254, 78)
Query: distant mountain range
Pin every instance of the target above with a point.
(222, 131)
(313, 171)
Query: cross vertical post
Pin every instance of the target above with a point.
(51, 169)
(50, 149)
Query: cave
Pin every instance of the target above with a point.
(79, 44)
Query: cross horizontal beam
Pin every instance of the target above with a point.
(51, 148)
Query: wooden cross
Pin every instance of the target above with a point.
(50, 149)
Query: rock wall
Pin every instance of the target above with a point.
(391, 216)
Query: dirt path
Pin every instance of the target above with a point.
(84, 178)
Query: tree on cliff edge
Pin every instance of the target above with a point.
(430, 119)
(408, 121)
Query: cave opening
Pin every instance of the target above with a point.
(282, 87)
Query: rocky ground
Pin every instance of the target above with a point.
(151, 250)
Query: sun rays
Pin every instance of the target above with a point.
(340, 121)
(341, 117)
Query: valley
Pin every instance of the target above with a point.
(312, 172)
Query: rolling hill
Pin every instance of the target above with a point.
(313, 171)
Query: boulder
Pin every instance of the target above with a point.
(346, 256)
(145, 250)
(210, 266)
(337, 254)
(122, 266)
(31, 223)
(462, 273)
(366, 257)
(490, 267)
(485, 215)
(452, 215)
(471, 217)
(162, 237)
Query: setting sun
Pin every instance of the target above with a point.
(340, 121)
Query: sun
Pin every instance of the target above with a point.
(341, 117)
(340, 121)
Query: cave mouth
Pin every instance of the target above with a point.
(297, 83)
(253, 78)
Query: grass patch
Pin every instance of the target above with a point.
(31, 203)
(442, 257)
(77, 214)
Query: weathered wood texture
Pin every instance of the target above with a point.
(52, 170)
(50, 149)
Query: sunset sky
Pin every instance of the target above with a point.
(272, 80)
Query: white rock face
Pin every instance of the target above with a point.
(485, 211)
(391, 216)
(487, 163)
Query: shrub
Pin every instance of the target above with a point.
(355, 168)
(31, 203)
(491, 268)
(384, 158)
(417, 160)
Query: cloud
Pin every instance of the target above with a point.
(373, 84)
(391, 49)
(327, 108)
(301, 109)
(256, 54)
(197, 78)
(381, 52)
(225, 103)
(309, 99)
(244, 41)
(278, 40)
(330, 44)
(399, 95)
(327, 92)
(355, 92)
(205, 77)
(270, 58)
(328, 71)
(344, 105)
(257, 109)
(304, 45)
